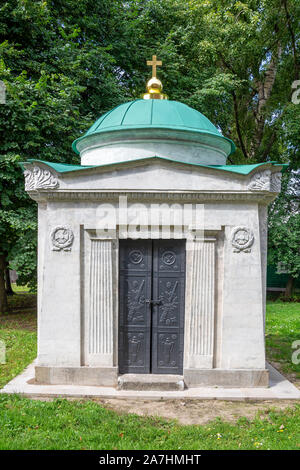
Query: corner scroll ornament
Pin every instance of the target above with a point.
(61, 238)
(39, 178)
(266, 181)
(276, 182)
(260, 181)
(242, 239)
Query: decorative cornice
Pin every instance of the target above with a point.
(171, 197)
(39, 178)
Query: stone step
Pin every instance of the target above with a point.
(158, 382)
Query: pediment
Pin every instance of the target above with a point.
(154, 175)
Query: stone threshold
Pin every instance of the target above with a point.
(158, 382)
(280, 389)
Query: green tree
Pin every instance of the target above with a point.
(59, 72)
(65, 62)
(235, 61)
(284, 229)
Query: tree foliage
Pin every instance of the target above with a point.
(59, 73)
(66, 62)
(284, 229)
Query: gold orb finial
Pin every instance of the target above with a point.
(154, 85)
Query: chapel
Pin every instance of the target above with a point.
(152, 253)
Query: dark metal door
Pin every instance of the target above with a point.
(168, 280)
(151, 306)
(134, 315)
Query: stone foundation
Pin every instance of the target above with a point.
(108, 376)
(242, 378)
(102, 376)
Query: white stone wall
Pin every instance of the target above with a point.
(78, 288)
(78, 266)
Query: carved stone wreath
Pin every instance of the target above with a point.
(61, 238)
(242, 239)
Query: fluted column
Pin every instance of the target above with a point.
(200, 335)
(263, 233)
(100, 324)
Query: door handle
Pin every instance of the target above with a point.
(153, 302)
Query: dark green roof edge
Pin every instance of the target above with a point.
(177, 128)
(239, 169)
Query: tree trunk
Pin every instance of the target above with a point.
(289, 287)
(9, 290)
(293, 40)
(265, 88)
(3, 296)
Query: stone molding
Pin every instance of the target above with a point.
(111, 196)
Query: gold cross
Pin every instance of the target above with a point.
(154, 63)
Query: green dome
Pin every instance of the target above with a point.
(153, 114)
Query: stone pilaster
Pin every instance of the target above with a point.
(100, 317)
(199, 340)
(263, 233)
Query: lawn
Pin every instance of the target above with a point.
(62, 424)
(18, 331)
(282, 329)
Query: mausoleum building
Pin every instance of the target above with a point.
(152, 254)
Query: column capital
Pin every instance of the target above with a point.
(109, 234)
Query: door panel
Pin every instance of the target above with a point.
(135, 315)
(151, 334)
(168, 317)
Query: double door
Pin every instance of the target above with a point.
(151, 306)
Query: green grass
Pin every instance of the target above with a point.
(62, 424)
(282, 329)
(20, 341)
(18, 289)
(21, 301)
(18, 331)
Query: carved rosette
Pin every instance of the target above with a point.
(61, 238)
(39, 178)
(242, 239)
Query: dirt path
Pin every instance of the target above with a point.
(195, 411)
(25, 321)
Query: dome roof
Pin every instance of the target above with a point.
(153, 114)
